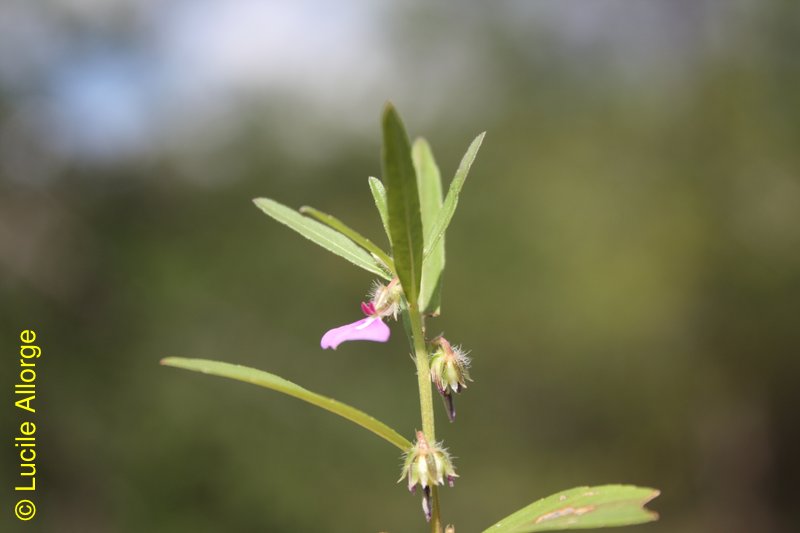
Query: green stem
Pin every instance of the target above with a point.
(425, 399)
(423, 375)
(436, 521)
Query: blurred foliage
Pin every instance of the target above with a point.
(623, 266)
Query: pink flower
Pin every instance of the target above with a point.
(371, 328)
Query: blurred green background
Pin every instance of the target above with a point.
(623, 265)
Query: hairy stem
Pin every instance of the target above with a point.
(425, 399)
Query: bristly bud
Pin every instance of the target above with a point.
(450, 529)
(449, 371)
(427, 465)
(385, 299)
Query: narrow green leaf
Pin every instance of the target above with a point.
(330, 239)
(405, 223)
(429, 183)
(451, 201)
(349, 232)
(582, 508)
(379, 195)
(271, 381)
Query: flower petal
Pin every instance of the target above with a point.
(367, 329)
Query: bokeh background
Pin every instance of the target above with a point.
(623, 265)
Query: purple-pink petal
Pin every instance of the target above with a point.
(367, 329)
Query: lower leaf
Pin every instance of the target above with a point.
(271, 381)
(582, 508)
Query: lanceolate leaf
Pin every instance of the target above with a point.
(330, 239)
(429, 182)
(271, 381)
(582, 508)
(347, 231)
(405, 223)
(379, 195)
(451, 201)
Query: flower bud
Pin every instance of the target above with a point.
(449, 371)
(427, 465)
(386, 299)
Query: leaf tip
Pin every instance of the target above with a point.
(391, 117)
(651, 516)
(421, 142)
(654, 493)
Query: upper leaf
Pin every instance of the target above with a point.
(347, 231)
(321, 234)
(582, 508)
(379, 195)
(405, 222)
(271, 381)
(451, 201)
(429, 182)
